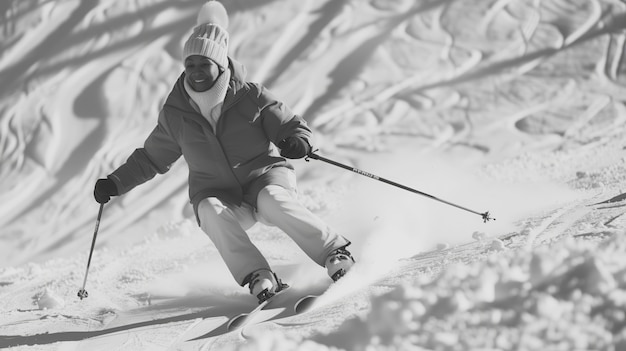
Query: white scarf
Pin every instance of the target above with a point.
(210, 102)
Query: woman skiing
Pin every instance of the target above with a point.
(236, 139)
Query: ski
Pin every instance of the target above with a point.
(305, 303)
(244, 318)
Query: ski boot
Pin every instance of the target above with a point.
(264, 284)
(338, 262)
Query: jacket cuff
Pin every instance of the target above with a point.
(117, 182)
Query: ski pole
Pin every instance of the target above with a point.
(485, 215)
(82, 293)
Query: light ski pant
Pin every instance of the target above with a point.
(226, 226)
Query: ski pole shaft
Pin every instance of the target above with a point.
(485, 215)
(82, 293)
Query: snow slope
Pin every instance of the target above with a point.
(515, 107)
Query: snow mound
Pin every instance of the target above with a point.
(568, 296)
(49, 300)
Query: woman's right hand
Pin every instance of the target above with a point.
(104, 189)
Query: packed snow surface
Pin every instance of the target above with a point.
(512, 107)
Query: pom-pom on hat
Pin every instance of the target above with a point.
(209, 37)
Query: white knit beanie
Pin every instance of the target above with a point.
(209, 37)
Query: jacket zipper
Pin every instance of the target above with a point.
(215, 132)
(219, 142)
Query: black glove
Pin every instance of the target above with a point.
(294, 147)
(105, 188)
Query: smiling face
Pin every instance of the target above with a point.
(201, 72)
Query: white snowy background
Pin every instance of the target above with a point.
(513, 107)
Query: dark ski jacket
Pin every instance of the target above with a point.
(232, 163)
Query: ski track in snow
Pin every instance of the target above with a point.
(515, 107)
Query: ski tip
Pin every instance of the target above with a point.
(304, 304)
(236, 322)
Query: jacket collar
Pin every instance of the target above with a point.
(237, 88)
